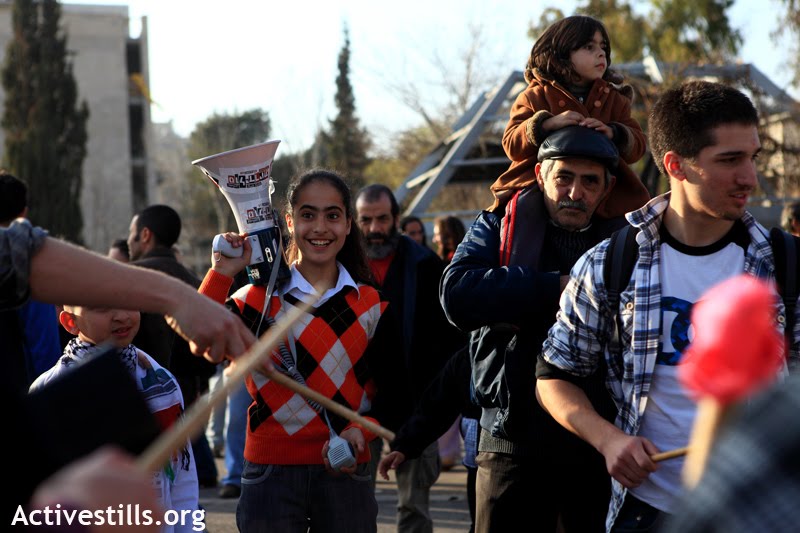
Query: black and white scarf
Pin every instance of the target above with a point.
(78, 351)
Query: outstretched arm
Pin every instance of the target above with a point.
(66, 274)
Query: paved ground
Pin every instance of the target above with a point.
(448, 505)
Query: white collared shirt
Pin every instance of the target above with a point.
(300, 288)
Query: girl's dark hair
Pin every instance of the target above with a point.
(352, 255)
(551, 51)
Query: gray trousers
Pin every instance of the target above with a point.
(415, 477)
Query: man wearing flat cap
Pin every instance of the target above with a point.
(503, 285)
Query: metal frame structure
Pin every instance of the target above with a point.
(448, 161)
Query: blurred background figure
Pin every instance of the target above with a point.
(118, 251)
(447, 234)
(791, 219)
(414, 229)
(29, 334)
(152, 234)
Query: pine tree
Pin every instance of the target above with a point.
(346, 143)
(45, 128)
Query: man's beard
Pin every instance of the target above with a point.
(385, 248)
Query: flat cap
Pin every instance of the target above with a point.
(580, 142)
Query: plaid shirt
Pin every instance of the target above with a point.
(587, 335)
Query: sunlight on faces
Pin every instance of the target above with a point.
(437, 236)
(101, 325)
(319, 225)
(375, 219)
(134, 246)
(719, 181)
(589, 61)
(572, 188)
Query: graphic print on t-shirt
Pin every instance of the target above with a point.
(675, 324)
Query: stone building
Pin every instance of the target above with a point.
(111, 70)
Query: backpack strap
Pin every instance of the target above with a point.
(786, 250)
(621, 258)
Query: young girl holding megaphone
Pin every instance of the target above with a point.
(293, 477)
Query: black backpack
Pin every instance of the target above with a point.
(623, 252)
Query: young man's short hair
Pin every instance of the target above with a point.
(13, 197)
(162, 221)
(683, 117)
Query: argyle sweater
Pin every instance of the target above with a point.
(332, 355)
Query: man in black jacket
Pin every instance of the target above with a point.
(408, 276)
(153, 232)
(527, 463)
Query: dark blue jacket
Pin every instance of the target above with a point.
(508, 311)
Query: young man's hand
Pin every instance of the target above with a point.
(628, 459)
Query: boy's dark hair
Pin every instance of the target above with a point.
(683, 118)
(551, 51)
(13, 197)
(373, 193)
(352, 255)
(163, 221)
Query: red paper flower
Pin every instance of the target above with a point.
(736, 348)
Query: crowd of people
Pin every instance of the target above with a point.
(510, 334)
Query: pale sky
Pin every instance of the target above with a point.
(233, 55)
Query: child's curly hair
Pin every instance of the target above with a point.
(551, 51)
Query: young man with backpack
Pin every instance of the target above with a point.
(704, 136)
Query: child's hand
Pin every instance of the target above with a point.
(390, 462)
(593, 123)
(230, 266)
(562, 120)
(352, 435)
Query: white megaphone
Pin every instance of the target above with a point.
(243, 176)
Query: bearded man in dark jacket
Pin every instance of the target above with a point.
(408, 276)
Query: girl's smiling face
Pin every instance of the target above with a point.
(319, 225)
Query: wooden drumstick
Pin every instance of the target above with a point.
(194, 419)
